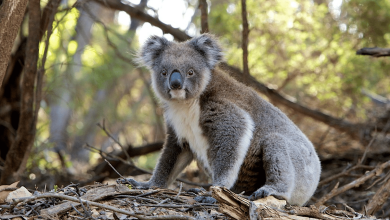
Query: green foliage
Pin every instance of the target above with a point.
(370, 18)
(299, 48)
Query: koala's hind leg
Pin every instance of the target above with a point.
(279, 169)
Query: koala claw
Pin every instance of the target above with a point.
(264, 192)
(196, 190)
(205, 199)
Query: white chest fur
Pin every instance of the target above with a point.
(183, 116)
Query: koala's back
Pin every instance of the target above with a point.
(271, 127)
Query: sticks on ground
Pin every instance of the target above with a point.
(336, 191)
(380, 197)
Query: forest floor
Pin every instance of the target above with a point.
(349, 183)
(118, 201)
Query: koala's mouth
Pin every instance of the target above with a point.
(177, 94)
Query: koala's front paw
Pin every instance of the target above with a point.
(196, 190)
(135, 184)
(264, 192)
(205, 199)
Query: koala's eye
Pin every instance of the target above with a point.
(190, 72)
(164, 72)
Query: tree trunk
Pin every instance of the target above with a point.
(11, 16)
(21, 147)
(10, 91)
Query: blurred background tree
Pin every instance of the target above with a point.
(302, 50)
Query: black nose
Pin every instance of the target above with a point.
(175, 80)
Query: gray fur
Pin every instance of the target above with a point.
(241, 140)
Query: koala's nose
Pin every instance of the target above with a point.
(175, 80)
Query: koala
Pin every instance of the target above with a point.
(243, 142)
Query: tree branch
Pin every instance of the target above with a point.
(244, 44)
(374, 51)
(203, 18)
(140, 15)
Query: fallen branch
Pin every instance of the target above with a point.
(380, 197)
(336, 191)
(344, 173)
(237, 207)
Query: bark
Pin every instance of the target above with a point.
(10, 99)
(10, 92)
(26, 128)
(244, 44)
(11, 17)
(204, 16)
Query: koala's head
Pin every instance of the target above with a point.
(180, 70)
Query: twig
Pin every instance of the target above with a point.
(103, 127)
(367, 148)
(137, 198)
(117, 158)
(103, 206)
(181, 186)
(244, 45)
(125, 180)
(182, 206)
(142, 170)
(344, 173)
(150, 193)
(203, 18)
(375, 172)
(379, 198)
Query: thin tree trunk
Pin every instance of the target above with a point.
(244, 44)
(10, 92)
(12, 13)
(204, 16)
(26, 128)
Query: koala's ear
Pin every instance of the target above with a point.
(209, 47)
(151, 50)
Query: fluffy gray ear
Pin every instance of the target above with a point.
(151, 50)
(209, 47)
